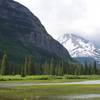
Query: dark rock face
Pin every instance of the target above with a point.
(22, 33)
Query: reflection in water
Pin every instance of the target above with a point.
(72, 97)
(85, 96)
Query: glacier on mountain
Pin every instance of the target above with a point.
(79, 47)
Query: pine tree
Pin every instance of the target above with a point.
(22, 72)
(51, 67)
(95, 67)
(60, 69)
(77, 69)
(81, 69)
(26, 66)
(31, 68)
(86, 68)
(4, 65)
(46, 68)
(56, 71)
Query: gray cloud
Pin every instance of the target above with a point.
(62, 16)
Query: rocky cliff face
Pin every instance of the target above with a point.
(22, 33)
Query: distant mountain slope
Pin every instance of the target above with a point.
(79, 47)
(22, 34)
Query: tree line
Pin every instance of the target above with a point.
(48, 67)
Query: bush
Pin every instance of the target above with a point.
(71, 77)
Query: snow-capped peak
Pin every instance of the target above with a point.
(79, 47)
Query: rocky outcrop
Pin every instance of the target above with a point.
(22, 33)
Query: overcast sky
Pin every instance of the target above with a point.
(63, 16)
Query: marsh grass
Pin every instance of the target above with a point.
(50, 91)
(48, 77)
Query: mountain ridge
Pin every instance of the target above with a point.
(22, 34)
(79, 47)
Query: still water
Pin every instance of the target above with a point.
(71, 97)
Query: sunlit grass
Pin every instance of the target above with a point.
(49, 77)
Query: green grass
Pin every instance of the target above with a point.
(19, 93)
(61, 89)
(47, 92)
(49, 78)
(38, 79)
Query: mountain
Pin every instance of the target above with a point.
(79, 47)
(22, 34)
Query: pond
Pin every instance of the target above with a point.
(86, 90)
(71, 97)
(6, 84)
(83, 96)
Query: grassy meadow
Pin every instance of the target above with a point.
(47, 92)
(49, 78)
